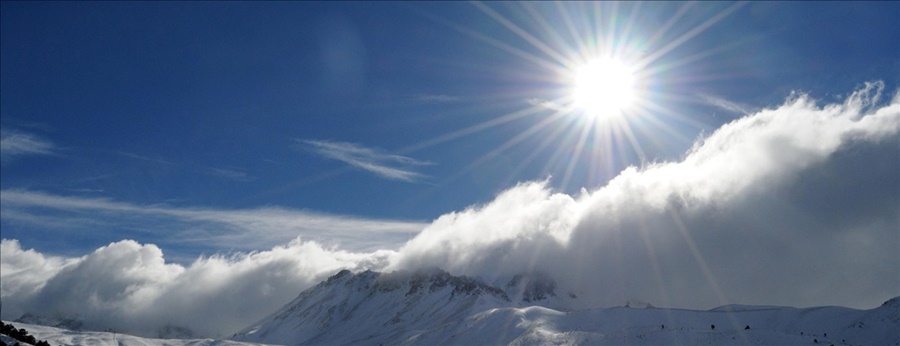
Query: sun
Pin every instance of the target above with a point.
(603, 88)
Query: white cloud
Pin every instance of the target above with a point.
(25, 272)
(16, 143)
(236, 229)
(388, 166)
(795, 205)
(771, 208)
(129, 287)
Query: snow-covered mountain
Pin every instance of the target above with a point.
(372, 308)
(433, 307)
(430, 306)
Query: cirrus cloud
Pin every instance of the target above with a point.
(389, 166)
(241, 229)
(14, 144)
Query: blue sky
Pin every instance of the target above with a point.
(214, 105)
(209, 127)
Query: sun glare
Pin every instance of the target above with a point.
(603, 88)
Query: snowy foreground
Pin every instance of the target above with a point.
(433, 307)
(57, 336)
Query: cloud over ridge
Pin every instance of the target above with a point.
(788, 197)
(128, 287)
(680, 233)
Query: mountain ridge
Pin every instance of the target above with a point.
(431, 306)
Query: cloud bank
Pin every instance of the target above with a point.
(128, 287)
(389, 166)
(796, 205)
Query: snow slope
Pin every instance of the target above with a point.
(10, 341)
(57, 336)
(433, 307)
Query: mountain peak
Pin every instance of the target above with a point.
(392, 303)
(338, 276)
(893, 302)
(430, 280)
(532, 287)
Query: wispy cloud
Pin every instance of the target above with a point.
(86, 190)
(246, 229)
(386, 165)
(16, 143)
(545, 104)
(145, 158)
(724, 104)
(437, 98)
(229, 174)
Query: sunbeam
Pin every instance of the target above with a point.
(604, 66)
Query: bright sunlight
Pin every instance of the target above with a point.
(603, 88)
